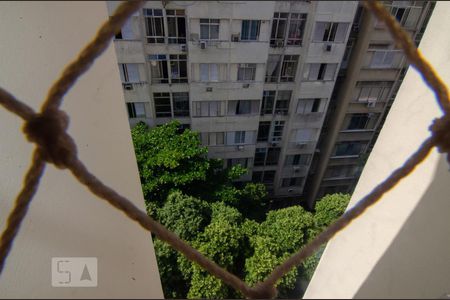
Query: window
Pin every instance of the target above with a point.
(273, 68)
(266, 177)
(406, 16)
(263, 131)
(267, 156)
(305, 135)
(277, 132)
(243, 107)
(292, 181)
(163, 108)
(268, 102)
(360, 121)
(246, 72)
(126, 32)
(180, 104)
(136, 110)
(154, 25)
(207, 108)
(342, 172)
(178, 68)
(282, 104)
(244, 162)
(183, 127)
(279, 25)
(320, 72)
(307, 106)
(209, 29)
(296, 29)
(384, 58)
(349, 148)
(129, 73)
(158, 68)
(297, 160)
(273, 154)
(372, 91)
(239, 137)
(212, 138)
(330, 32)
(289, 68)
(209, 72)
(176, 26)
(281, 72)
(250, 30)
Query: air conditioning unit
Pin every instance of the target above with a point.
(240, 147)
(279, 44)
(202, 44)
(246, 85)
(327, 47)
(274, 143)
(236, 37)
(296, 169)
(128, 86)
(209, 89)
(371, 104)
(183, 48)
(290, 190)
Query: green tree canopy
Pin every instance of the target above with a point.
(329, 208)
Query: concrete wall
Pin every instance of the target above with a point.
(400, 248)
(65, 220)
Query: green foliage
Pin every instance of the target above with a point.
(329, 208)
(167, 159)
(184, 215)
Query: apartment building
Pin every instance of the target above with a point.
(253, 78)
(370, 76)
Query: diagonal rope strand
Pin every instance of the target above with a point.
(23, 200)
(356, 211)
(13, 105)
(414, 55)
(88, 55)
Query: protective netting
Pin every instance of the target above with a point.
(47, 129)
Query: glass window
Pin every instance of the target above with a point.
(136, 110)
(207, 108)
(330, 32)
(296, 29)
(297, 160)
(209, 72)
(263, 131)
(178, 68)
(158, 68)
(268, 102)
(239, 137)
(273, 154)
(129, 73)
(154, 25)
(238, 161)
(289, 68)
(176, 26)
(279, 25)
(209, 29)
(282, 104)
(277, 132)
(250, 30)
(320, 72)
(180, 104)
(349, 148)
(273, 68)
(292, 181)
(260, 156)
(163, 108)
(246, 72)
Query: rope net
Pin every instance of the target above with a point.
(47, 129)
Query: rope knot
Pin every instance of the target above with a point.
(441, 134)
(262, 291)
(48, 131)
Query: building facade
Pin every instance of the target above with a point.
(253, 78)
(256, 80)
(367, 84)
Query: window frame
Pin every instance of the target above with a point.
(244, 70)
(151, 18)
(249, 37)
(132, 111)
(210, 23)
(176, 18)
(158, 97)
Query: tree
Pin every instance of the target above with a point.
(329, 208)
(167, 159)
(282, 233)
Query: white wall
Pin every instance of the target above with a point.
(400, 248)
(38, 39)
